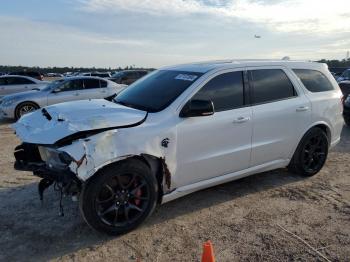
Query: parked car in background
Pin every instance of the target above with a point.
(54, 75)
(99, 74)
(10, 84)
(69, 89)
(345, 88)
(128, 77)
(182, 129)
(32, 74)
(344, 76)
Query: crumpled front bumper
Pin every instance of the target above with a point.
(28, 159)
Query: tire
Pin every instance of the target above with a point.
(109, 206)
(311, 153)
(347, 120)
(24, 108)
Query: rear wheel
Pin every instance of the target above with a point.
(120, 197)
(311, 153)
(25, 108)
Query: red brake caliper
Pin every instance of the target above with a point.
(138, 194)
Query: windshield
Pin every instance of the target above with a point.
(53, 85)
(156, 91)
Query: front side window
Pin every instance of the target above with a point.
(270, 85)
(157, 90)
(226, 91)
(313, 80)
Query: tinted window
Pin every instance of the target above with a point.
(91, 83)
(345, 88)
(270, 85)
(313, 80)
(157, 90)
(103, 83)
(3, 81)
(72, 85)
(225, 91)
(18, 81)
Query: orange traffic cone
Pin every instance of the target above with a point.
(208, 252)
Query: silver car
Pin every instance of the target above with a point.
(63, 90)
(10, 84)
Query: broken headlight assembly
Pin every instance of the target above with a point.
(55, 159)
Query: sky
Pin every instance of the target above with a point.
(155, 33)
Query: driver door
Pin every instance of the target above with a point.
(70, 90)
(216, 145)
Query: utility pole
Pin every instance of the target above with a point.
(347, 55)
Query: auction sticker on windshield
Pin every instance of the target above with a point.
(186, 77)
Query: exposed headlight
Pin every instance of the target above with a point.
(8, 102)
(54, 158)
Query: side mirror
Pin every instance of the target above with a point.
(195, 108)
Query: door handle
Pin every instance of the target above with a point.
(302, 108)
(241, 119)
(76, 94)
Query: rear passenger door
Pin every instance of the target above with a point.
(281, 112)
(92, 89)
(70, 90)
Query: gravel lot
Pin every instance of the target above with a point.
(241, 218)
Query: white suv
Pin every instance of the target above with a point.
(181, 129)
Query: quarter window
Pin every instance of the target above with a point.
(313, 80)
(225, 91)
(270, 85)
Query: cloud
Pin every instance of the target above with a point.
(311, 16)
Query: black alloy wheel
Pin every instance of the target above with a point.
(120, 197)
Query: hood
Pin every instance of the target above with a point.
(53, 123)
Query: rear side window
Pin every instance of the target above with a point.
(91, 83)
(270, 85)
(313, 80)
(225, 91)
(72, 85)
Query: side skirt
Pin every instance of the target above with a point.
(188, 189)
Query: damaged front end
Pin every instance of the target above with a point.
(49, 164)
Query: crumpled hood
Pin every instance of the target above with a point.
(52, 123)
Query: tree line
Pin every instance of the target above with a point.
(339, 64)
(61, 70)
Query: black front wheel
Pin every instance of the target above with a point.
(119, 197)
(311, 153)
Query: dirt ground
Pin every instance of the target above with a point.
(241, 218)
